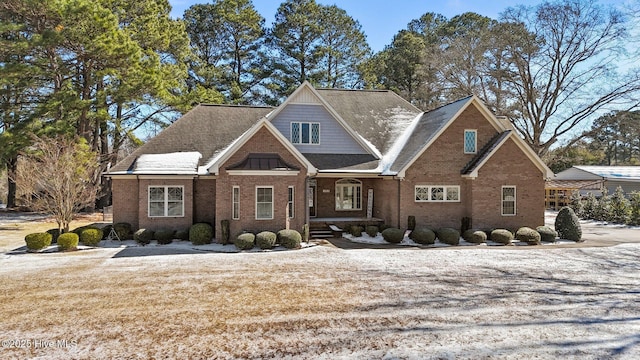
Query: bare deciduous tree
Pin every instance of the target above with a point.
(567, 71)
(58, 176)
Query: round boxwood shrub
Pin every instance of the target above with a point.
(164, 236)
(91, 236)
(382, 227)
(475, 236)
(448, 236)
(245, 241)
(54, 235)
(124, 230)
(547, 234)
(568, 225)
(200, 233)
(38, 241)
(266, 240)
(393, 235)
(68, 241)
(528, 235)
(356, 230)
(502, 236)
(182, 234)
(372, 230)
(143, 236)
(290, 239)
(423, 236)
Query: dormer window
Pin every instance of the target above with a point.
(470, 141)
(305, 133)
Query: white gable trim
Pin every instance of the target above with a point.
(474, 173)
(213, 166)
(524, 147)
(537, 161)
(497, 124)
(303, 95)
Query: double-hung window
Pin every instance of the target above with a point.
(290, 203)
(236, 203)
(305, 133)
(348, 194)
(264, 203)
(437, 193)
(470, 141)
(508, 200)
(166, 201)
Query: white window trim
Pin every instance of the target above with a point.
(256, 201)
(444, 187)
(166, 201)
(234, 202)
(359, 185)
(299, 142)
(291, 190)
(464, 140)
(515, 200)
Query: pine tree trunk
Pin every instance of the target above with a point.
(12, 167)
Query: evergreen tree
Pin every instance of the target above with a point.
(620, 207)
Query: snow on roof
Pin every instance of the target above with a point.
(180, 163)
(613, 172)
(390, 157)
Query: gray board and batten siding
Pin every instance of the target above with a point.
(334, 139)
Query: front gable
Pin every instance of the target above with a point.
(263, 137)
(313, 127)
(446, 150)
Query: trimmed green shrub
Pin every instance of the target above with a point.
(54, 235)
(143, 236)
(448, 236)
(383, 227)
(79, 229)
(124, 230)
(266, 240)
(346, 228)
(568, 225)
(68, 241)
(411, 223)
(200, 233)
(182, 234)
(475, 236)
(164, 236)
(372, 230)
(91, 236)
(245, 241)
(423, 236)
(547, 234)
(393, 235)
(289, 238)
(527, 234)
(38, 241)
(356, 230)
(305, 233)
(502, 236)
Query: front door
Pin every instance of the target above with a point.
(311, 196)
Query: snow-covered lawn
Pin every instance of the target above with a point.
(406, 241)
(323, 302)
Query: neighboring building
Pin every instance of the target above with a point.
(332, 156)
(590, 179)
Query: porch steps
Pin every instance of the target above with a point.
(320, 233)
